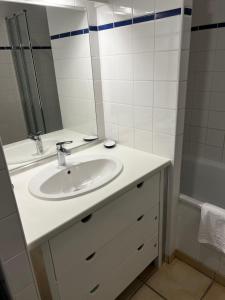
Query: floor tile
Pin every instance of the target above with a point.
(216, 292)
(178, 281)
(145, 293)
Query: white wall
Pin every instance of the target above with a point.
(13, 254)
(73, 68)
(143, 75)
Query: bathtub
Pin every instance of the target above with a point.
(204, 180)
(201, 181)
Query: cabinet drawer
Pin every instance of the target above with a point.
(79, 241)
(87, 277)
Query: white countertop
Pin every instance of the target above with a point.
(42, 219)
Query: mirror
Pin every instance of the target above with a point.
(46, 82)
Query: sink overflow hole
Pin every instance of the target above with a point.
(68, 172)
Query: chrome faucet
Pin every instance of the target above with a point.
(62, 152)
(38, 142)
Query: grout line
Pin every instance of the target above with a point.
(207, 290)
(151, 288)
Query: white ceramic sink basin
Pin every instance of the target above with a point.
(26, 151)
(82, 175)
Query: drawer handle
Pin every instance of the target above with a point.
(139, 185)
(156, 218)
(94, 289)
(140, 218)
(155, 245)
(86, 219)
(91, 256)
(140, 247)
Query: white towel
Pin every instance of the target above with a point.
(212, 226)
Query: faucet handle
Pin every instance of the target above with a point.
(59, 145)
(38, 133)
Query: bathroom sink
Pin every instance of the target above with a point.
(25, 151)
(81, 175)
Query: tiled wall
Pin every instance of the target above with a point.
(205, 116)
(73, 68)
(13, 254)
(140, 63)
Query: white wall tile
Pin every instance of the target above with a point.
(111, 131)
(166, 65)
(123, 67)
(126, 136)
(7, 203)
(18, 272)
(117, 91)
(143, 93)
(11, 238)
(213, 153)
(143, 66)
(122, 115)
(203, 81)
(180, 121)
(164, 121)
(215, 137)
(218, 81)
(197, 134)
(168, 33)
(217, 120)
(142, 37)
(184, 63)
(164, 145)
(121, 40)
(220, 41)
(143, 118)
(203, 40)
(217, 101)
(166, 94)
(199, 118)
(182, 94)
(201, 100)
(143, 140)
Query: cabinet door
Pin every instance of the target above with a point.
(89, 278)
(78, 242)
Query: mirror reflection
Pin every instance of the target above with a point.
(46, 82)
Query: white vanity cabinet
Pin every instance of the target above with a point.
(99, 256)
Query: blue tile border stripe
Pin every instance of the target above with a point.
(208, 26)
(188, 11)
(168, 13)
(135, 20)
